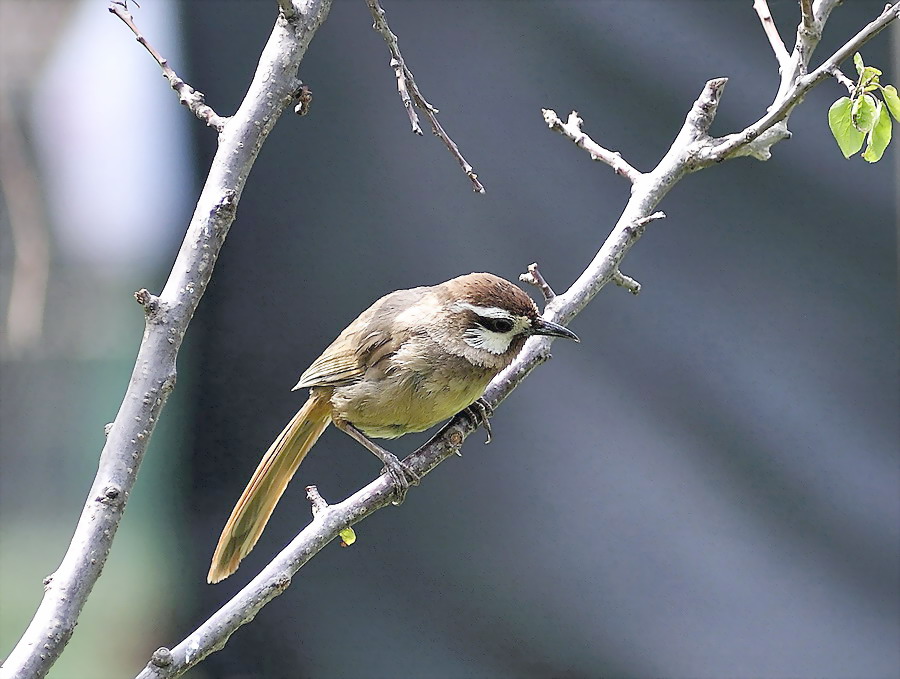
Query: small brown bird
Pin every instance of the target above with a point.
(412, 359)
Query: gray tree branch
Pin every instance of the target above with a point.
(167, 316)
(187, 95)
(411, 96)
(692, 150)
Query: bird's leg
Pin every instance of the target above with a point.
(481, 411)
(401, 475)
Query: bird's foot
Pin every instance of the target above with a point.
(401, 476)
(481, 413)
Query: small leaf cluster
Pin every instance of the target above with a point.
(863, 116)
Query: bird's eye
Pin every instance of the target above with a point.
(501, 325)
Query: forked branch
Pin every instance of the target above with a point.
(648, 190)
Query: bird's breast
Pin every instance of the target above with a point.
(410, 391)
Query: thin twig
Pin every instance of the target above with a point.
(572, 129)
(410, 94)
(316, 500)
(166, 321)
(533, 277)
(626, 282)
(838, 75)
(187, 95)
(771, 30)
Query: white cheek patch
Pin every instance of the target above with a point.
(488, 340)
(494, 342)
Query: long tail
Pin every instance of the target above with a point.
(255, 506)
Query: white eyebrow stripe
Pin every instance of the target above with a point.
(485, 311)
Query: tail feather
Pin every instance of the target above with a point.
(275, 470)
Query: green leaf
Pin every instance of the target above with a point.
(880, 136)
(848, 138)
(892, 100)
(863, 113)
(868, 76)
(348, 537)
(858, 62)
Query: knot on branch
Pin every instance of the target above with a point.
(148, 301)
(304, 98)
(109, 496)
(280, 584)
(225, 208)
(761, 147)
(168, 384)
(162, 657)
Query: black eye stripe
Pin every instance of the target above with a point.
(501, 325)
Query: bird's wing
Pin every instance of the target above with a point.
(339, 364)
(369, 339)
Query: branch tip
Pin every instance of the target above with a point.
(149, 302)
(412, 97)
(626, 282)
(187, 95)
(533, 277)
(643, 221)
(571, 129)
(316, 500)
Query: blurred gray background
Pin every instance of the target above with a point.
(707, 486)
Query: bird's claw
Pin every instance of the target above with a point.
(402, 477)
(482, 412)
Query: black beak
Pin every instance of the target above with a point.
(541, 327)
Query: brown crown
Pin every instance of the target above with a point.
(486, 289)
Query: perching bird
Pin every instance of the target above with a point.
(412, 359)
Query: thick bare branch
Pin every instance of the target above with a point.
(187, 95)
(411, 96)
(167, 318)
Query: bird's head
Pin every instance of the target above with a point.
(489, 319)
